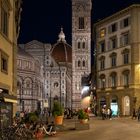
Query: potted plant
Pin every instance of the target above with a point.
(58, 112)
(83, 116)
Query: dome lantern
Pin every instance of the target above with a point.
(61, 36)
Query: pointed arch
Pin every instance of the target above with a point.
(83, 63)
(79, 63)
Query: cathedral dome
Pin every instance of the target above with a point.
(61, 51)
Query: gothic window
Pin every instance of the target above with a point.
(79, 63)
(81, 23)
(84, 63)
(79, 45)
(83, 45)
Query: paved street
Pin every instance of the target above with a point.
(115, 129)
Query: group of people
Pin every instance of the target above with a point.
(106, 113)
(136, 114)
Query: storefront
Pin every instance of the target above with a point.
(6, 109)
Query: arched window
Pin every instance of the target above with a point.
(113, 79)
(113, 59)
(83, 45)
(126, 105)
(84, 63)
(79, 45)
(81, 23)
(102, 81)
(79, 63)
(125, 54)
(102, 62)
(126, 77)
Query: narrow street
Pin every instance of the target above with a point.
(115, 129)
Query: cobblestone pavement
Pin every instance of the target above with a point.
(115, 129)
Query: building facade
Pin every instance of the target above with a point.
(30, 84)
(81, 46)
(9, 29)
(68, 68)
(118, 61)
(53, 73)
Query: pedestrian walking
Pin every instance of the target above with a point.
(109, 113)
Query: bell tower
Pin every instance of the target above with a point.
(81, 46)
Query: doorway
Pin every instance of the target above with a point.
(114, 107)
(126, 106)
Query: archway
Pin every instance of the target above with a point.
(114, 106)
(126, 106)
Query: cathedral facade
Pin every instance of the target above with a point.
(44, 74)
(62, 66)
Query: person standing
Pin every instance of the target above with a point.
(109, 113)
(103, 112)
(134, 116)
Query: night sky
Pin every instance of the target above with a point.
(42, 19)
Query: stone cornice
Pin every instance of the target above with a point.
(117, 14)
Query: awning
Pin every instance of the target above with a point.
(8, 98)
